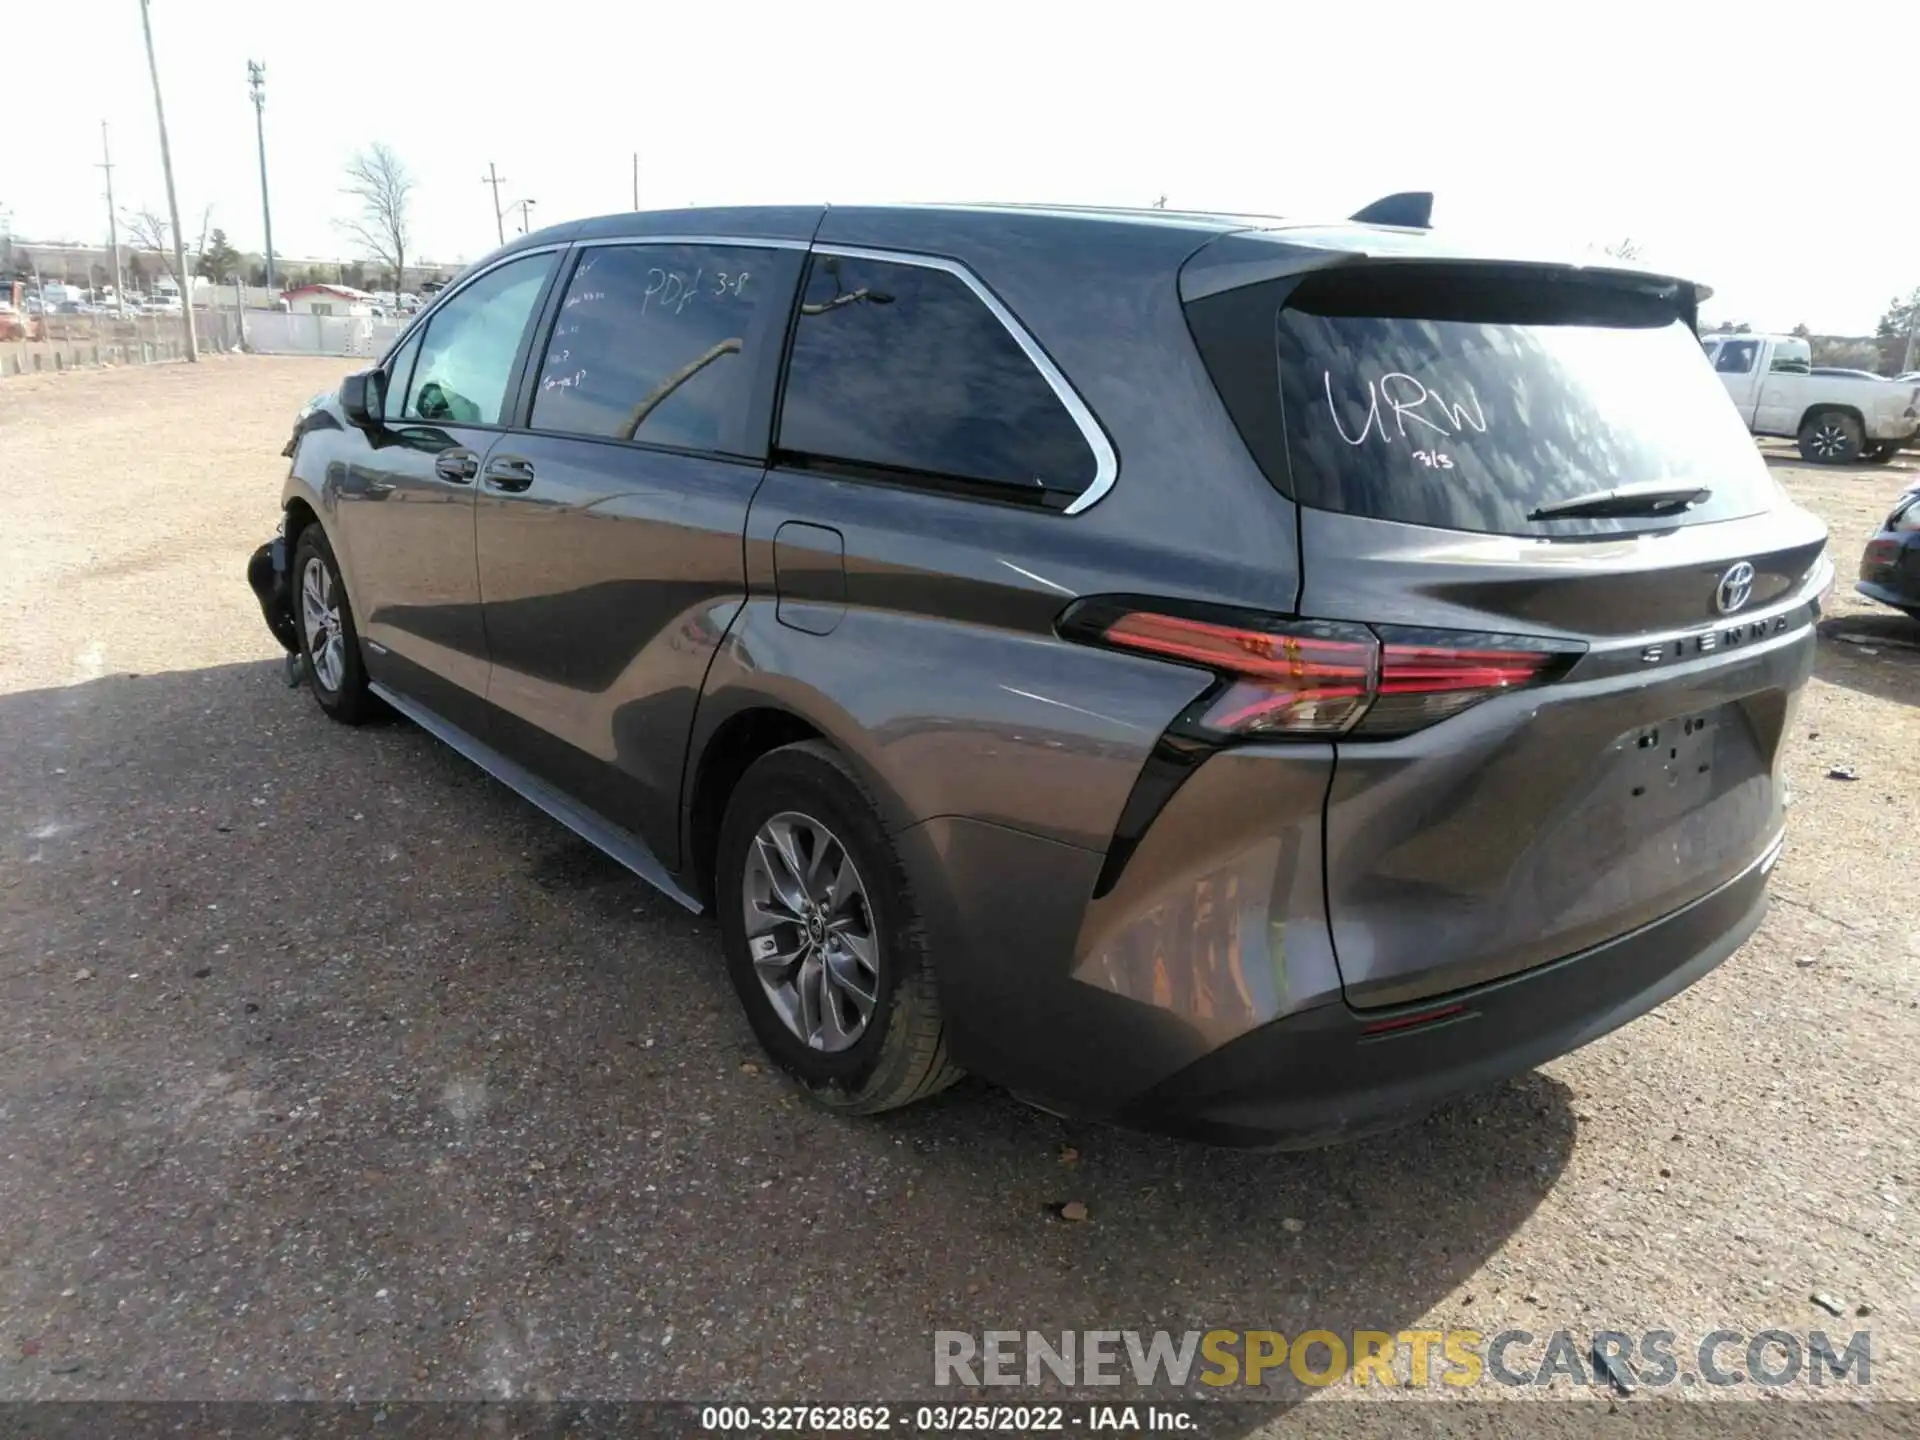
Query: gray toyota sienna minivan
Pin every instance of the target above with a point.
(1230, 677)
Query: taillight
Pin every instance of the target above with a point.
(1423, 684)
(1283, 678)
(1304, 680)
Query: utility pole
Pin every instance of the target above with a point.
(257, 85)
(525, 205)
(173, 204)
(636, 179)
(499, 215)
(113, 224)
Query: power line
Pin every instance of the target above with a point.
(499, 215)
(173, 205)
(113, 223)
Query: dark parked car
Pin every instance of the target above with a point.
(1243, 679)
(1890, 565)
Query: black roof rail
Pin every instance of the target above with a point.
(1412, 209)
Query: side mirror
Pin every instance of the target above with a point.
(363, 398)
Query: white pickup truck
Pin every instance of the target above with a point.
(1836, 418)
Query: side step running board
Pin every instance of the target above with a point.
(622, 845)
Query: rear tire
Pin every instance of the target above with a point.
(859, 1037)
(329, 640)
(1831, 437)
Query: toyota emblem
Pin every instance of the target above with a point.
(1736, 588)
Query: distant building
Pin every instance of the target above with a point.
(328, 300)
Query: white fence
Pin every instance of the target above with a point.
(277, 332)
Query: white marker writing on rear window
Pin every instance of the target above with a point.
(673, 291)
(1409, 402)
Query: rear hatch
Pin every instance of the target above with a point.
(1430, 420)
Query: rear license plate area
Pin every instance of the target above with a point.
(1667, 768)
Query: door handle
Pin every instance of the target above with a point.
(509, 473)
(459, 466)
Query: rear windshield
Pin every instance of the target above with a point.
(1463, 401)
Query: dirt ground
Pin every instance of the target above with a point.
(329, 1069)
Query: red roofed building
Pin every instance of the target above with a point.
(328, 300)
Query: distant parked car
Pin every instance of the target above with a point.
(1890, 565)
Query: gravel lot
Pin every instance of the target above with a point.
(329, 1069)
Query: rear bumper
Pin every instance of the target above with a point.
(1334, 1073)
(1900, 598)
(1903, 427)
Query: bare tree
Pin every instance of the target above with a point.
(1625, 248)
(383, 187)
(148, 229)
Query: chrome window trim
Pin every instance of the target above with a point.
(1106, 462)
(744, 242)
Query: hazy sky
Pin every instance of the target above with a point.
(1695, 128)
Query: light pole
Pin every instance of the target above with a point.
(257, 86)
(173, 205)
(525, 205)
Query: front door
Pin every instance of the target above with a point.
(406, 503)
(610, 530)
(1738, 362)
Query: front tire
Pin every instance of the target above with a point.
(824, 942)
(329, 640)
(1831, 437)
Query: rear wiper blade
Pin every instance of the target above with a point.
(1647, 498)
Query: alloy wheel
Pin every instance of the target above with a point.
(810, 931)
(1829, 440)
(320, 618)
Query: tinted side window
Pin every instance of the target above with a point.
(902, 368)
(466, 356)
(660, 343)
(1736, 357)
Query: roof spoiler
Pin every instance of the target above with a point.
(1411, 209)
